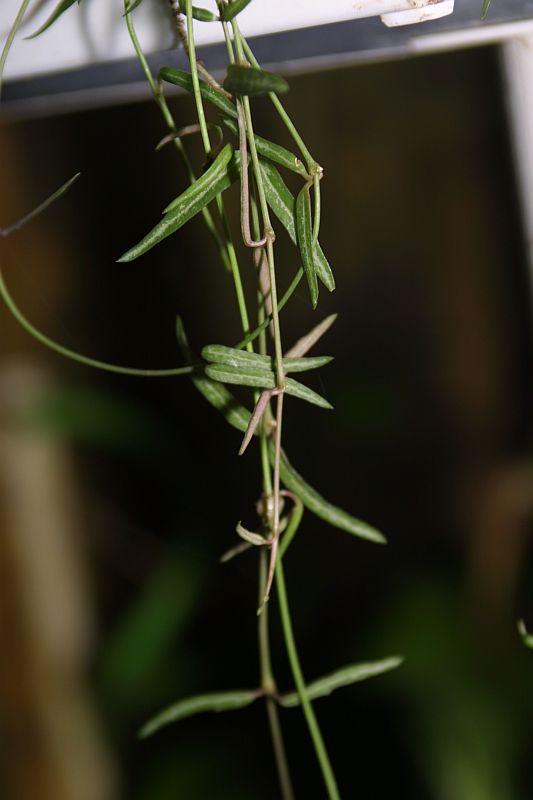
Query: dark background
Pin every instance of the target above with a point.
(430, 441)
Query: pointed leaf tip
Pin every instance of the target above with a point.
(345, 676)
(219, 701)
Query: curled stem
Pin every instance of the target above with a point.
(73, 355)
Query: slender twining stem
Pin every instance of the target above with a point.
(271, 487)
(294, 661)
(278, 349)
(266, 322)
(267, 679)
(245, 191)
(314, 168)
(278, 105)
(230, 249)
(225, 245)
(81, 359)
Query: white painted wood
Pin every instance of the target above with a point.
(94, 32)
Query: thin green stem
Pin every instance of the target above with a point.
(81, 359)
(278, 105)
(313, 166)
(312, 724)
(264, 325)
(278, 348)
(266, 218)
(268, 685)
(11, 37)
(195, 79)
(230, 249)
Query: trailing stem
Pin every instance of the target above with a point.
(266, 667)
(316, 736)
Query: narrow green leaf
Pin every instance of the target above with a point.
(342, 677)
(219, 701)
(243, 80)
(283, 204)
(303, 392)
(60, 9)
(133, 5)
(320, 507)
(261, 379)
(304, 233)
(274, 152)
(201, 14)
(279, 198)
(232, 357)
(305, 364)
(322, 267)
(484, 10)
(215, 393)
(234, 8)
(527, 638)
(242, 376)
(198, 195)
(225, 178)
(184, 80)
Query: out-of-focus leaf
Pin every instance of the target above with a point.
(60, 9)
(485, 8)
(322, 508)
(218, 701)
(151, 624)
(527, 638)
(92, 417)
(198, 195)
(244, 80)
(342, 677)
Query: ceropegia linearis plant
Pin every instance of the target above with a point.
(236, 153)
